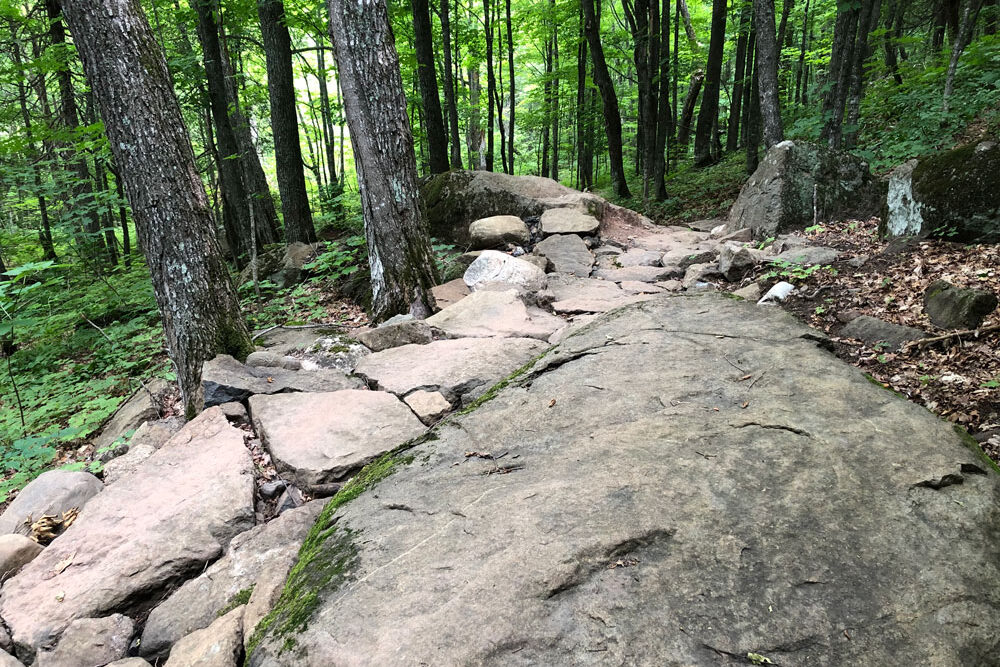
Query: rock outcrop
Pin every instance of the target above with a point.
(952, 195)
(699, 482)
(139, 536)
(792, 177)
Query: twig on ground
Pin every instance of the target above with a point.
(920, 343)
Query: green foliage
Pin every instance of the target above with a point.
(26, 458)
(793, 272)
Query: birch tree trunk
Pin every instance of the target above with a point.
(402, 266)
(128, 74)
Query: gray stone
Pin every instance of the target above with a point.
(453, 200)
(807, 256)
(951, 307)
(607, 250)
(225, 380)
(498, 230)
(874, 331)
(951, 195)
(320, 438)
(428, 406)
(568, 221)
(139, 536)
(218, 645)
(127, 662)
(644, 274)
(587, 295)
(265, 359)
(779, 195)
(497, 267)
(52, 492)
(271, 547)
(539, 261)
(698, 274)
(16, 551)
(751, 292)
(7, 660)
(337, 352)
(144, 405)
(127, 464)
(494, 313)
(660, 510)
(290, 340)
(460, 369)
(686, 255)
(235, 412)
(638, 257)
(296, 256)
(415, 332)
(90, 642)
(567, 253)
(736, 261)
(450, 292)
(638, 287)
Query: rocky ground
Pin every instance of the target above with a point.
(586, 431)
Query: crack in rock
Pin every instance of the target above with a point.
(777, 427)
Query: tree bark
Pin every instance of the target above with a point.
(867, 20)
(423, 45)
(687, 114)
(844, 32)
(82, 196)
(663, 117)
(284, 123)
(491, 83)
(128, 74)
(739, 79)
(970, 12)
(800, 70)
(688, 26)
(753, 121)
(510, 69)
(402, 265)
(708, 115)
(449, 88)
(555, 99)
(767, 72)
(612, 116)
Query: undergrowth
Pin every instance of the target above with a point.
(77, 346)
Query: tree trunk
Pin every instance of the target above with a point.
(474, 130)
(82, 196)
(841, 56)
(584, 150)
(709, 112)
(449, 89)
(800, 70)
(663, 117)
(687, 114)
(555, 100)
(284, 123)
(786, 11)
(688, 26)
(767, 72)
(128, 74)
(867, 20)
(491, 83)
(739, 79)
(543, 168)
(510, 69)
(334, 188)
(399, 251)
(753, 121)
(423, 45)
(612, 116)
(45, 231)
(970, 12)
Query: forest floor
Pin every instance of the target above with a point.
(957, 379)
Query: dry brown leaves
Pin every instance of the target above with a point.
(956, 380)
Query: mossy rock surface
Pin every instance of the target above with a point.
(959, 194)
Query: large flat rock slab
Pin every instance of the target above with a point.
(588, 295)
(567, 253)
(139, 536)
(226, 380)
(460, 369)
(495, 313)
(684, 481)
(317, 439)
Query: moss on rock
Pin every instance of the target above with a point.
(957, 193)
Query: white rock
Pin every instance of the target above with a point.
(779, 292)
(494, 266)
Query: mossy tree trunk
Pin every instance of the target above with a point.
(402, 265)
(128, 75)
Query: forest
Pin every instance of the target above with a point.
(665, 108)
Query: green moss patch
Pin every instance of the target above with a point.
(241, 598)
